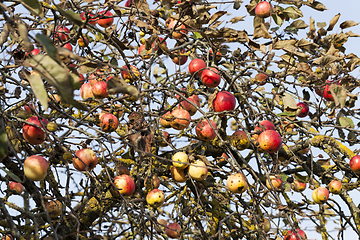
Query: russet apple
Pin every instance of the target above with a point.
(85, 159)
(260, 78)
(155, 198)
(35, 168)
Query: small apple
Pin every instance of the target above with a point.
(269, 141)
(276, 182)
(178, 31)
(165, 120)
(224, 101)
(197, 66)
(155, 198)
(125, 74)
(298, 234)
(198, 170)
(85, 91)
(218, 55)
(129, 3)
(181, 119)
(162, 223)
(260, 78)
(335, 186)
(180, 159)
(85, 159)
(305, 109)
(17, 187)
(99, 90)
(204, 131)
(320, 195)
(173, 230)
(210, 77)
(61, 33)
(240, 140)
(298, 186)
(189, 106)
(236, 183)
(179, 57)
(7, 237)
(355, 164)
(34, 135)
(35, 168)
(178, 174)
(108, 122)
(52, 127)
(155, 181)
(263, 9)
(54, 208)
(92, 19)
(68, 46)
(105, 20)
(125, 184)
(34, 52)
(82, 42)
(264, 125)
(28, 109)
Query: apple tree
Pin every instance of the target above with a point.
(167, 119)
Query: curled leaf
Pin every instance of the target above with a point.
(348, 24)
(333, 21)
(33, 6)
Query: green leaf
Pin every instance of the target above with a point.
(197, 35)
(49, 46)
(71, 16)
(277, 19)
(290, 114)
(346, 122)
(33, 6)
(38, 88)
(3, 143)
(114, 62)
(301, 178)
(12, 175)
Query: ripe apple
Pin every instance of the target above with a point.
(210, 77)
(179, 58)
(85, 159)
(269, 141)
(298, 186)
(125, 184)
(224, 101)
(236, 183)
(276, 182)
(54, 208)
(180, 158)
(173, 230)
(17, 187)
(335, 186)
(129, 3)
(320, 195)
(181, 119)
(85, 91)
(162, 223)
(305, 109)
(165, 120)
(204, 131)
(34, 135)
(125, 74)
(178, 174)
(28, 109)
(82, 42)
(155, 198)
(105, 20)
(35, 168)
(196, 67)
(355, 164)
(33, 52)
(61, 33)
(108, 122)
(189, 106)
(264, 125)
(218, 55)
(178, 31)
(7, 237)
(260, 78)
(155, 181)
(298, 234)
(198, 170)
(68, 46)
(240, 140)
(92, 19)
(99, 90)
(324, 91)
(263, 9)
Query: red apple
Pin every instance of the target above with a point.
(68, 46)
(85, 91)
(85, 159)
(189, 106)
(236, 183)
(325, 92)
(105, 20)
(305, 109)
(181, 119)
(179, 58)
(320, 195)
(210, 77)
(224, 101)
(125, 74)
(355, 164)
(61, 33)
(298, 186)
(260, 78)
(178, 31)
(204, 131)
(173, 230)
(198, 170)
(34, 135)
(298, 234)
(92, 19)
(218, 55)
(335, 186)
(264, 125)
(108, 122)
(155, 198)
(99, 90)
(196, 66)
(276, 182)
(54, 208)
(129, 3)
(125, 185)
(17, 187)
(29, 108)
(269, 141)
(35, 168)
(165, 120)
(263, 9)
(33, 52)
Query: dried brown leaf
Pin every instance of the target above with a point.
(333, 21)
(237, 19)
(348, 24)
